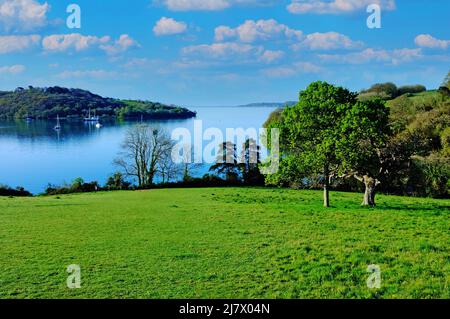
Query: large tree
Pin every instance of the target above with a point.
(362, 145)
(143, 151)
(227, 161)
(249, 162)
(311, 132)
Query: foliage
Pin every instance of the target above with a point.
(227, 162)
(249, 163)
(117, 182)
(430, 177)
(18, 191)
(417, 135)
(311, 132)
(78, 186)
(47, 103)
(389, 91)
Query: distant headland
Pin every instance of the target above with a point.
(75, 104)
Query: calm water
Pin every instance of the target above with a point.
(33, 154)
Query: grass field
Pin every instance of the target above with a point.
(223, 243)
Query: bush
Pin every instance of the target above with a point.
(385, 90)
(78, 186)
(18, 192)
(411, 89)
(430, 177)
(117, 182)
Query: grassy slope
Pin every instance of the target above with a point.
(228, 243)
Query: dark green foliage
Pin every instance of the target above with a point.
(17, 192)
(385, 91)
(117, 182)
(250, 161)
(310, 132)
(430, 177)
(405, 146)
(389, 91)
(411, 89)
(47, 103)
(227, 162)
(77, 186)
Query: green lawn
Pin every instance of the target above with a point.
(223, 243)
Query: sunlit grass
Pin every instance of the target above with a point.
(223, 243)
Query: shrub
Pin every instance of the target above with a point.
(412, 89)
(18, 192)
(117, 182)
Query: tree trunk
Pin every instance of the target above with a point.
(369, 195)
(326, 187)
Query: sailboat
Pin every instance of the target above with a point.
(58, 124)
(90, 118)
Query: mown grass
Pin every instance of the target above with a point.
(223, 243)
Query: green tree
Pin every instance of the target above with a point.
(310, 132)
(227, 161)
(361, 149)
(250, 159)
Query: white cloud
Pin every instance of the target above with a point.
(251, 31)
(209, 5)
(169, 26)
(11, 44)
(428, 41)
(98, 74)
(292, 70)
(336, 6)
(73, 41)
(327, 41)
(270, 56)
(78, 42)
(123, 44)
(23, 15)
(370, 55)
(13, 69)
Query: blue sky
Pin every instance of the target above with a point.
(221, 52)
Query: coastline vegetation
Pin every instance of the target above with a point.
(75, 104)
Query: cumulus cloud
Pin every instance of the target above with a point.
(270, 56)
(23, 15)
(370, 55)
(209, 5)
(73, 41)
(77, 42)
(13, 69)
(251, 31)
(327, 41)
(428, 41)
(12, 44)
(336, 6)
(123, 44)
(169, 26)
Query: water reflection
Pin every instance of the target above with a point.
(33, 154)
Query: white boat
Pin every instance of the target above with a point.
(90, 118)
(58, 124)
(98, 125)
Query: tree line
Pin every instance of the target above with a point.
(398, 146)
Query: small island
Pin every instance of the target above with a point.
(76, 104)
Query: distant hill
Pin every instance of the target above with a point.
(265, 104)
(47, 103)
